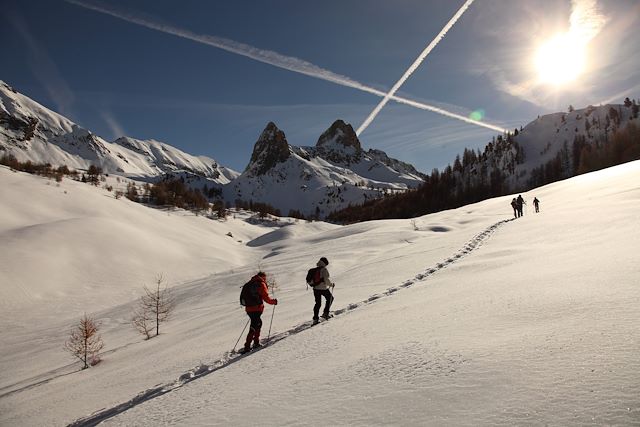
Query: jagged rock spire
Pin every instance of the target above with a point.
(342, 133)
(270, 149)
(339, 143)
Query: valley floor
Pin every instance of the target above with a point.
(472, 319)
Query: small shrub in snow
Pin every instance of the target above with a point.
(142, 322)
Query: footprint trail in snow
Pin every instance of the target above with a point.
(230, 357)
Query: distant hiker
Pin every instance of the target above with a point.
(536, 204)
(519, 202)
(514, 205)
(254, 292)
(322, 289)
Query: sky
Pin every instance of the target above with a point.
(464, 317)
(207, 77)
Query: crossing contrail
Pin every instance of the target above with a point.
(413, 67)
(270, 57)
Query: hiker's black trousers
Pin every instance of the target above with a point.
(256, 321)
(318, 294)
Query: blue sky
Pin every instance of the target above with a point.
(144, 68)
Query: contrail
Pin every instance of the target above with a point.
(446, 113)
(261, 55)
(272, 58)
(413, 67)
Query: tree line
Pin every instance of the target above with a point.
(479, 176)
(473, 177)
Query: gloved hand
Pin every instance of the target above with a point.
(275, 301)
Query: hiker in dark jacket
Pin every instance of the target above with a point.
(514, 205)
(255, 311)
(520, 202)
(536, 204)
(323, 290)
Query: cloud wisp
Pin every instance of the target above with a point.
(44, 67)
(585, 20)
(117, 130)
(270, 57)
(414, 66)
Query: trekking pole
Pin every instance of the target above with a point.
(270, 323)
(333, 291)
(241, 334)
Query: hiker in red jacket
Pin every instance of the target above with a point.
(260, 293)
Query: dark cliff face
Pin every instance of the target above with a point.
(340, 144)
(270, 149)
(27, 126)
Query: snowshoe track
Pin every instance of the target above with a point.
(230, 357)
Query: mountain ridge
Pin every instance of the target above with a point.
(312, 181)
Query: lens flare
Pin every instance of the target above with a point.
(477, 115)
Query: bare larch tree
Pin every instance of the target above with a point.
(85, 343)
(155, 307)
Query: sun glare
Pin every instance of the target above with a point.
(560, 60)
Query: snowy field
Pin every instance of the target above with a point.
(472, 319)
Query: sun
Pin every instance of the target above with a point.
(560, 60)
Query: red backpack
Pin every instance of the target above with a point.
(314, 276)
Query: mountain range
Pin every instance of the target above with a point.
(312, 180)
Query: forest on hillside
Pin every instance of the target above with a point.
(479, 176)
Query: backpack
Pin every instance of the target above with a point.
(249, 295)
(314, 276)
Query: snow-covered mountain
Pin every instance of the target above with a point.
(310, 180)
(521, 156)
(546, 136)
(32, 132)
(316, 180)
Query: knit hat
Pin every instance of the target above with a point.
(324, 260)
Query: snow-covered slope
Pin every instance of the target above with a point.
(72, 243)
(457, 318)
(318, 180)
(545, 136)
(30, 131)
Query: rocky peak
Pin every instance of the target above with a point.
(339, 144)
(270, 149)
